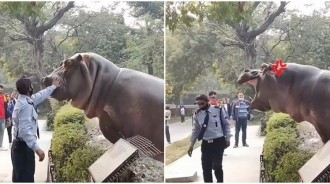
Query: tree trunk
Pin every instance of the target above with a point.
(150, 69)
(250, 54)
(38, 52)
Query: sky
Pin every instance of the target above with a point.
(97, 5)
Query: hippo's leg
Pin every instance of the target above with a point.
(107, 129)
(320, 131)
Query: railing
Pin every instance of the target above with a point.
(262, 175)
(51, 168)
(324, 177)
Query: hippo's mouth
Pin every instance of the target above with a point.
(253, 84)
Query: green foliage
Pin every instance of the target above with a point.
(66, 139)
(280, 120)
(69, 115)
(154, 9)
(282, 155)
(76, 167)
(20, 9)
(263, 121)
(55, 106)
(289, 165)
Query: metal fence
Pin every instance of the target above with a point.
(262, 175)
(51, 168)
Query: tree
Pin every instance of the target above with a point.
(235, 15)
(148, 49)
(34, 23)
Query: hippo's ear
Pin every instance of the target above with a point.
(72, 61)
(78, 58)
(265, 68)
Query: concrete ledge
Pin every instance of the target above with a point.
(176, 174)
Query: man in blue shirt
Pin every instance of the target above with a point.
(241, 114)
(211, 126)
(25, 129)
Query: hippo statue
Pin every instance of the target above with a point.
(126, 102)
(302, 91)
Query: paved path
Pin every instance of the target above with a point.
(179, 131)
(240, 165)
(41, 167)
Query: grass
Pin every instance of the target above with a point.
(178, 149)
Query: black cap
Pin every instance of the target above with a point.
(202, 97)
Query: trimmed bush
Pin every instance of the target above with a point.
(50, 121)
(282, 155)
(290, 164)
(278, 120)
(68, 114)
(76, 167)
(263, 123)
(278, 142)
(66, 139)
(55, 106)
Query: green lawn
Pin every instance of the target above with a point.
(178, 149)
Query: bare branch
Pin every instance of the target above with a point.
(279, 41)
(263, 27)
(41, 29)
(73, 27)
(22, 38)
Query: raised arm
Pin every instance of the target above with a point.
(42, 95)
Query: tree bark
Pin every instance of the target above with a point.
(248, 37)
(38, 53)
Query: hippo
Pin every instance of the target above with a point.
(126, 102)
(302, 91)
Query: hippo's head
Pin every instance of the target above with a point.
(71, 74)
(255, 78)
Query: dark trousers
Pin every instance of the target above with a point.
(23, 160)
(240, 123)
(9, 133)
(182, 118)
(167, 133)
(212, 154)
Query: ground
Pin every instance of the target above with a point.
(240, 164)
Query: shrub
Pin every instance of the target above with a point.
(289, 165)
(55, 106)
(282, 138)
(278, 120)
(263, 123)
(75, 170)
(50, 121)
(68, 114)
(66, 139)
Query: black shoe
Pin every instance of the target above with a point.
(235, 146)
(245, 145)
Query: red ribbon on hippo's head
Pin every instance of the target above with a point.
(278, 67)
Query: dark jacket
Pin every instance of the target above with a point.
(234, 110)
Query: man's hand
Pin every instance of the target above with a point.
(190, 150)
(56, 82)
(41, 154)
(227, 144)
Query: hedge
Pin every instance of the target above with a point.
(282, 155)
(66, 139)
(68, 115)
(69, 135)
(55, 106)
(290, 163)
(76, 167)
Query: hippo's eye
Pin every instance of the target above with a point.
(61, 64)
